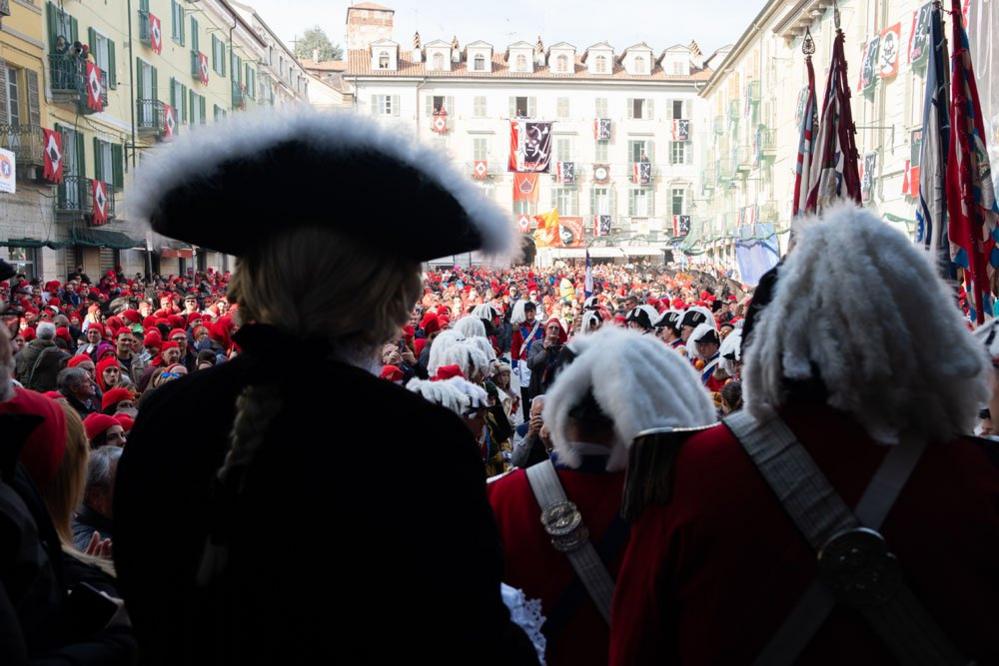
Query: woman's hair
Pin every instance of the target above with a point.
(65, 492)
(315, 283)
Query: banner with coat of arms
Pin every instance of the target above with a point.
(869, 65)
(641, 173)
(480, 170)
(919, 38)
(99, 214)
(681, 130)
(203, 68)
(95, 87)
(566, 173)
(169, 121)
(681, 226)
(8, 164)
(601, 225)
(602, 129)
(52, 155)
(439, 122)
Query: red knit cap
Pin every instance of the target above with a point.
(102, 365)
(418, 345)
(447, 372)
(77, 360)
(392, 373)
(114, 396)
(125, 421)
(149, 322)
(177, 331)
(132, 316)
(45, 446)
(63, 332)
(152, 339)
(98, 424)
(28, 334)
(175, 321)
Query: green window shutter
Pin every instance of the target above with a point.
(156, 90)
(34, 104)
(183, 101)
(192, 101)
(222, 55)
(81, 154)
(430, 105)
(201, 102)
(140, 81)
(92, 39)
(195, 40)
(117, 166)
(143, 5)
(112, 66)
(74, 30)
(173, 92)
(98, 162)
(53, 25)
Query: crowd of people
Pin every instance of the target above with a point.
(340, 453)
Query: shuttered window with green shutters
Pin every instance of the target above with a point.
(104, 55)
(60, 24)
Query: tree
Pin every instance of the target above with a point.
(315, 39)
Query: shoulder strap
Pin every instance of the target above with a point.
(564, 523)
(855, 565)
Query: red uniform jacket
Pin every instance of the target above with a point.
(709, 578)
(533, 565)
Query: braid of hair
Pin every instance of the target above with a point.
(256, 408)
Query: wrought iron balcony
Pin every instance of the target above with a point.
(149, 118)
(69, 81)
(75, 198)
(745, 159)
(26, 142)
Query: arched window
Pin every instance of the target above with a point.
(522, 63)
(562, 64)
(640, 66)
(479, 64)
(438, 60)
(601, 64)
(383, 60)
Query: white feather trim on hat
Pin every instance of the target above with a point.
(469, 354)
(455, 394)
(591, 319)
(470, 327)
(202, 149)
(485, 311)
(730, 351)
(638, 382)
(988, 335)
(517, 316)
(701, 331)
(704, 311)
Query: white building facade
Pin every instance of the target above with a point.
(472, 92)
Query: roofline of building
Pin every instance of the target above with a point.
(273, 34)
(367, 78)
(249, 28)
(740, 46)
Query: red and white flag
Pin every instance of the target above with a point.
(439, 124)
(203, 68)
(480, 170)
(891, 44)
(52, 167)
(101, 202)
(169, 121)
(95, 88)
(524, 223)
(155, 34)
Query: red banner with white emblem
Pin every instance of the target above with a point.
(95, 88)
(480, 170)
(52, 166)
(525, 187)
(99, 215)
(203, 68)
(169, 121)
(155, 34)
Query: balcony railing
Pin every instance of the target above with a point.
(768, 143)
(145, 35)
(149, 117)
(75, 197)
(69, 81)
(26, 142)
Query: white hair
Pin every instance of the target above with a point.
(637, 381)
(45, 330)
(203, 150)
(858, 307)
(470, 326)
(730, 351)
(469, 354)
(485, 311)
(455, 394)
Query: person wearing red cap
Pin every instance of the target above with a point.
(38, 364)
(169, 355)
(109, 374)
(131, 363)
(104, 430)
(544, 358)
(187, 355)
(393, 374)
(117, 399)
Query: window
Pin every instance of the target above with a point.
(251, 82)
(525, 208)
(219, 112)
(102, 161)
(195, 39)
(600, 107)
(197, 116)
(385, 105)
(178, 99)
(562, 64)
(25, 260)
(13, 97)
(439, 104)
(438, 61)
(563, 149)
(678, 197)
(602, 201)
(678, 69)
(640, 151)
(677, 153)
(521, 63)
(218, 56)
(522, 107)
(677, 109)
(601, 152)
(479, 107)
(640, 202)
(480, 149)
(177, 22)
(562, 107)
(638, 108)
(479, 63)
(566, 199)
(601, 64)
(383, 60)
(640, 66)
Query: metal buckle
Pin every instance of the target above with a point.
(857, 566)
(564, 524)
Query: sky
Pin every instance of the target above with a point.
(713, 23)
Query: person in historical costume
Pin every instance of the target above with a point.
(528, 330)
(857, 412)
(282, 526)
(643, 318)
(619, 384)
(707, 345)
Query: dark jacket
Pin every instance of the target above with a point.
(88, 521)
(371, 548)
(543, 363)
(49, 360)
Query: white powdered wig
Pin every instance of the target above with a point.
(859, 303)
(730, 351)
(469, 354)
(638, 382)
(470, 327)
(203, 149)
(455, 394)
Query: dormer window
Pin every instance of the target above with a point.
(678, 68)
(438, 60)
(640, 66)
(383, 60)
(479, 63)
(562, 64)
(521, 63)
(601, 64)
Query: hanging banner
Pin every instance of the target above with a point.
(867, 176)
(8, 163)
(891, 40)
(570, 232)
(525, 187)
(869, 65)
(919, 38)
(530, 146)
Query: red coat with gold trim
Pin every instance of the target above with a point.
(709, 578)
(533, 565)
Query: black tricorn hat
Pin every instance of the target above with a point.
(232, 185)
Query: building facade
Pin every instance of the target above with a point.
(754, 104)
(462, 99)
(113, 79)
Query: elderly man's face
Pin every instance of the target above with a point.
(181, 341)
(84, 389)
(171, 356)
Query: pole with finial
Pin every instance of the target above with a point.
(836, 16)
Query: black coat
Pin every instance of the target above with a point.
(363, 533)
